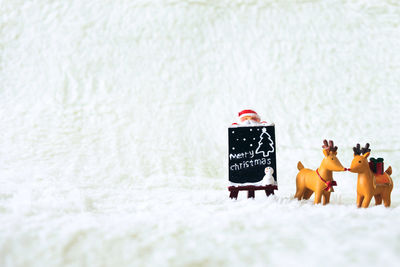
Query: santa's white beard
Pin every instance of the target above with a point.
(249, 122)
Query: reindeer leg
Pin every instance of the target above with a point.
(318, 195)
(299, 193)
(360, 199)
(378, 199)
(386, 200)
(366, 201)
(307, 193)
(327, 196)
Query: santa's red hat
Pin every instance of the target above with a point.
(248, 112)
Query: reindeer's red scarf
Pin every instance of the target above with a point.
(329, 184)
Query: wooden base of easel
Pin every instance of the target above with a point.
(234, 190)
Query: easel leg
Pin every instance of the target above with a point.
(234, 194)
(269, 192)
(250, 194)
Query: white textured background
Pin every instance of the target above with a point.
(113, 119)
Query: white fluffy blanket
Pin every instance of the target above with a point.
(113, 115)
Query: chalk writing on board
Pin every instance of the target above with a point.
(265, 145)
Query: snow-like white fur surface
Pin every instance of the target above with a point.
(113, 114)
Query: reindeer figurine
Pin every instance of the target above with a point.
(321, 180)
(369, 184)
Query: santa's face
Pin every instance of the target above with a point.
(249, 120)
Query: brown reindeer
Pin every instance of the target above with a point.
(321, 180)
(369, 184)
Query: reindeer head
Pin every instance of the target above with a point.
(360, 161)
(331, 162)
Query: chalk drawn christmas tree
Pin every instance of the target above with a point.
(265, 145)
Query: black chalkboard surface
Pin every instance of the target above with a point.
(251, 151)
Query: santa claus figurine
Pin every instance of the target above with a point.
(248, 117)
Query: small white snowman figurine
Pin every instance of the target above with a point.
(268, 178)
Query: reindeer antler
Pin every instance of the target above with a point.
(330, 146)
(365, 149)
(357, 150)
(361, 151)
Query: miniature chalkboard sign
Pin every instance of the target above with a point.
(252, 158)
(251, 151)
